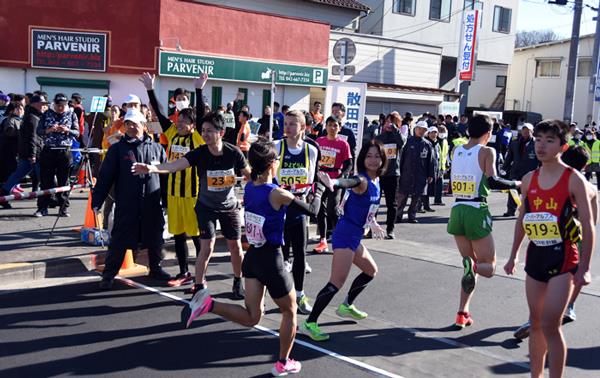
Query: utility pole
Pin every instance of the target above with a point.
(573, 52)
(594, 69)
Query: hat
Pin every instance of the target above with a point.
(422, 124)
(578, 131)
(528, 125)
(38, 99)
(132, 99)
(135, 116)
(408, 115)
(76, 96)
(4, 97)
(60, 98)
(432, 129)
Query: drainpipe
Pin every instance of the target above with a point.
(24, 80)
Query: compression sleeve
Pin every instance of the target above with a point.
(311, 208)
(498, 183)
(346, 167)
(346, 183)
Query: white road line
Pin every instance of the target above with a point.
(305, 344)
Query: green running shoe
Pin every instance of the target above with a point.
(350, 312)
(468, 278)
(312, 330)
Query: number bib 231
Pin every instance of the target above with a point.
(542, 229)
(218, 181)
(463, 186)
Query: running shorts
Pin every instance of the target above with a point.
(469, 221)
(231, 224)
(266, 265)
(182, 217)
(346, 235)
(544, 263)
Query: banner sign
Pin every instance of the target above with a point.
(187, 65)
(354, 97)
(468, 46)
(68, 50)
(98, 104)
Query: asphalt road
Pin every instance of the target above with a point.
(67, 327)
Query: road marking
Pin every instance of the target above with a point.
(305, 344)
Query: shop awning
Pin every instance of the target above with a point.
(73, 83)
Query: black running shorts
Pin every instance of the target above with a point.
(266, 265)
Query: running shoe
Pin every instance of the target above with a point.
(238, 290)
(181, 279)
(17, 190)
(199, 305)
(569, 315)
(463, 319)
(351, 312)
(468, 278)
(313, 331)
(304, 308)
(321, 247)
(522, 332)
(307, 268)
(287, 266)
(41, 213)
(290, 367)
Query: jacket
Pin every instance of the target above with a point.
(49, 119)
(30, 144)
(416, 165)
(518, 164)
(138, 212)
(393, 139)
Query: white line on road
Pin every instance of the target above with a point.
(305, 344)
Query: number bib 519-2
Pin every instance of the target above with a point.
(542, 229)
(220, 180)
(463, 186)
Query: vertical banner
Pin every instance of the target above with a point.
(354, 97)
(468, 46)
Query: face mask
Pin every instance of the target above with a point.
(443, 135)
(182, 104)
(589, 137)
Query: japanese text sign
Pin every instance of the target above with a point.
(468, 46)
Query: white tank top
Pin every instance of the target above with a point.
(466, 176)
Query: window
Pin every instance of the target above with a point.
(548, 68)
(584, 67)
(500, 81)
(405, 7)
(266, 99)
(217, 97)
(478, 5)
(440, 10)
(502, 19)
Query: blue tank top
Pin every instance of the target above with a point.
(360, 209)
(262, 223)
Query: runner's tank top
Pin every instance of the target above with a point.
(467, 179)
(262, 223)
(360, 209)
(294, 169)
(550, 215)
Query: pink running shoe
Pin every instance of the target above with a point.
(199, 305)
(290, 367)
(17, 189)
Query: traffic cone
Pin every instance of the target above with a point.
(81, 175)
(90, 220)
(130, 268)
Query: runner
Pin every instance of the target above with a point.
(182, 187)
(554, 196)
(265, 206)
(360, 206)
(298, 162)
(215, 163)
(577, 158)
(336, 161)
(472, 176)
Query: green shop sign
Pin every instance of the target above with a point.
(186, 65)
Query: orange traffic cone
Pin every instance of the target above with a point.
(81, 175)
(129, 267)
(90, 220)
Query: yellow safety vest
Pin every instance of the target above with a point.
(596, 152)
(444, 154)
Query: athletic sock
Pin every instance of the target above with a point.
(323, 298)
(181, 250)
(196, 241)
(358, 285)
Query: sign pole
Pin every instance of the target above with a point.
(272, 105)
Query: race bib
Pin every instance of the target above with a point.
(218, 181)
(178, 151)
(328, 158)
(371, 214)
(463, 186)
(253, 224)
(542, 229)
(291, 176)
(391, 150)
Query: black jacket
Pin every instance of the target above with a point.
(395, 138)
(138, 211)
(518, 163)
(416, 165)
(30, 144)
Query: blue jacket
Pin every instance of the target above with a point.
(416, 165)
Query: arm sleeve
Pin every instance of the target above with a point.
(346, 167)
(311, 208)
(41, 126)
(348, 183)
(431, 163)
(497, 183)
(29, 135)
(193, 157)
(200, 105)
(106, 177)
(165, 123)
(74, 132)
(509, 157)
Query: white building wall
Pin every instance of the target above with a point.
(546, 96)
(483, 90)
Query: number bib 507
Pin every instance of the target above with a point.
(542, 229)
(253, 224)
(463, 186)
(218, 181)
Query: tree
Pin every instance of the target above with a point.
(533, 37)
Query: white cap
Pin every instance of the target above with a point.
(134, 115)
(432, 129)
(528, 126)
(422, 124)
(132, 99)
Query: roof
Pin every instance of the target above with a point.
(350, 4)
(558, 42)
(408, 88)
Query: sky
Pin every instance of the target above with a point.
(556, 17)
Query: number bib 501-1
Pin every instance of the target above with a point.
(542, 229)
(328, 158)
(253, 224)
(463, 186)
(291, 176)
(391, 150)
(218, 181)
